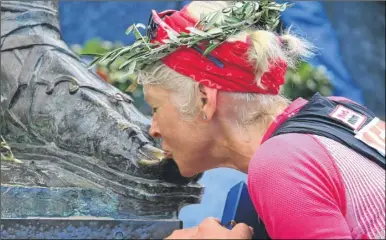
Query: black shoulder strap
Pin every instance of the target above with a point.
(317, 118)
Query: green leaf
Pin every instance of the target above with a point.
(248, 9)
(132, 67)
(92, 54)
(251, 21)
(239, 5)
(135, 53)
(106, 56)
(289, 5)
(137, 33)
(275, 24)
(194, 42)
(202, 20)
(283, 7)
(120, 53)
(231, 20)
(136, 44)
(239, 9)
(102, 58)
(256, 6)
(258, 15)
(196, 31)
(141, 56)
(211, 48)
(140, 25)
(184, 34)
(172, 36)
(226, 10)
(214, 31)
(129, 29)
(123, 65)
(95, 61)
(213, 20)
(158, 56)
(167, 41)
(277, 7)
(132, 57)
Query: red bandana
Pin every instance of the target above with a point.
(236, 75)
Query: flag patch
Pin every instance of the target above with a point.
(349, 117)
(373, 134)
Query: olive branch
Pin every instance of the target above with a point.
(212, 30)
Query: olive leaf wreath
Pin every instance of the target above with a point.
(213, 29)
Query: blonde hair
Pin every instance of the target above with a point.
(266, 48)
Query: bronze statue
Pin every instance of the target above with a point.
(72, 130)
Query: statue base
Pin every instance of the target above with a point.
(86, 228)
(76, 213)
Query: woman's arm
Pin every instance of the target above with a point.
(297, 190)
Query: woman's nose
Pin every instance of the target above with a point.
(154, 131)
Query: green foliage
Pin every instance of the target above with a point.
(305, 81)
(95, 46)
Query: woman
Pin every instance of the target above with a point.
(308, 176)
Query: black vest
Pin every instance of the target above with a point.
(314, 118)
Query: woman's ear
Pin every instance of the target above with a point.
(208, 98)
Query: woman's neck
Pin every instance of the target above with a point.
(240, 143)
(241, 146)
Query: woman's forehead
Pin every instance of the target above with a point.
(154, 93)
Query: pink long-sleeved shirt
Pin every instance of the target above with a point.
(311, 187)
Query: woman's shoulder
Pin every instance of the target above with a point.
(291, 148)
(295, 157)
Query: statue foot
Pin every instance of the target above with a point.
(71, 129)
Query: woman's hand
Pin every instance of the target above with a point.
(211, 228)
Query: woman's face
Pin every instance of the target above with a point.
(188, 142)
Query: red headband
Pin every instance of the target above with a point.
(236, 74)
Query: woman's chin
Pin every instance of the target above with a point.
(188, 173)
(185, 169)
(169, 172)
